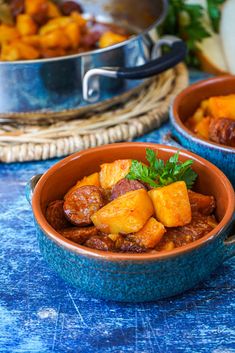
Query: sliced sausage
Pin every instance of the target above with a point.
(130, 246)
(55, 215)
(222, 131)
(201, 203)
(81, 204)
(79, 235)
(67, 7)
(100, 242)
(199, 226)
(123, 243)
(123, 186)
(17, 7)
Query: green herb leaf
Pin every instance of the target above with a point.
(185, 20)
(160, 173)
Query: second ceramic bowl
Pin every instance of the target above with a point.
(185, 105)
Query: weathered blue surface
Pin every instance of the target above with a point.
(40, 313)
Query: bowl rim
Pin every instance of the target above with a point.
(53, 235)
(180, 126)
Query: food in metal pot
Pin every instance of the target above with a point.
(42, 29)
(112, 209)
(214, 120)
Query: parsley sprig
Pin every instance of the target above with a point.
(160, 173)
(186, 20)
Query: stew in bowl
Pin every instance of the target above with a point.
(96, 262)
(128, 206)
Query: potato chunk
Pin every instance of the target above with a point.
(150, 235)
(126, 214)
(222, 106)
(8, 33)
(202, 128)
(36, 6)
(171, 204)
(73, 33)
(53, 10)
(111, 173)
(92, 179)
(110, 38)
(9, 53)
(54, 39)
(26, 25)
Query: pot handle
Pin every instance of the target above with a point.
(30, 186)
(229, 243)
(177, 53)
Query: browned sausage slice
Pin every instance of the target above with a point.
(222, 131)
(79, 235)
(201, 203)
(67, 7)
(199, 226)
(100, 243)
(81, 204)
(123, 186)
(55, 215)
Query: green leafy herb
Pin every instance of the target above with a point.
(214, 12)
(160, 173)
(186, 21)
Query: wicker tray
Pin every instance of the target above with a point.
(24, 139)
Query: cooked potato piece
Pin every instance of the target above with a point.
(48, 28)
(26, 25)
(222, 106)
(31, 40)
(150, 235)
(72, 31)
(171, 204)
(109, 38)
(27, 52)
(52, 52)
(202, 128)
(8, 33)
(126, 214)
(92, 179)
(19, 51)
(55, 39)
(9, 52)
(35, 7)
(55, 23)
(53, 10)
(76, 17)
(111, 173)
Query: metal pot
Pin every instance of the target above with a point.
(80, 80)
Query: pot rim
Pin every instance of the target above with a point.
(96, 51)
(111, 256)
(180, 126)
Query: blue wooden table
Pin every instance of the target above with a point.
(40, 313)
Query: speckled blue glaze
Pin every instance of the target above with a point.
(222, 157)
(131, 281)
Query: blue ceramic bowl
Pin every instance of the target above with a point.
(131, 277)
(185, 105)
